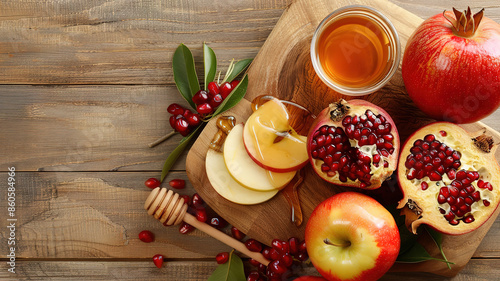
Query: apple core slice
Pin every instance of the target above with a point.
(244, 170)
(270, 140)
(227, 187)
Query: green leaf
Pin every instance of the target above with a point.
(209, 63)
(408, 239)
(236, 69)
(185, 76)
(234, 97)
(172, 157)
(417, 253)
(438, 239)
(232, 270)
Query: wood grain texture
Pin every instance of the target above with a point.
(64, 215)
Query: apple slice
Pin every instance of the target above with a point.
(244, 170)
(270, 140)
(227, 187)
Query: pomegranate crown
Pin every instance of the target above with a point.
(465, 24)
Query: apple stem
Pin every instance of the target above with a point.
(343, 245)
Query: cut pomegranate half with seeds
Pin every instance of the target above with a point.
(354, 143)
(450, 179)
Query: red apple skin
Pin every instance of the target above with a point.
(310, 278)
(453, 78)
(357, 214)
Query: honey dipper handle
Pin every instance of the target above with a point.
(226, 239)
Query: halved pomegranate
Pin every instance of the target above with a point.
(354, 143)
(450, 179)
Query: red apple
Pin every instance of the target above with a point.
(350, 236)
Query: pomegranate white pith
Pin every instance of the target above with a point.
(448, 181)
(354, 143)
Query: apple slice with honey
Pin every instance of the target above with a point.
(244, 170)
(227, 187)
(271, 141)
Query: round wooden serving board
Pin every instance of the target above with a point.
(283, 69)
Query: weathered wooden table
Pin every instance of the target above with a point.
(84, 89)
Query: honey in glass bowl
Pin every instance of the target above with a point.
(355, 50)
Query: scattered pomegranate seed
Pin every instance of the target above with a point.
(222, 258)
(277, 266)
(158, 260)
(237, 234)
(204, 108)
(443, 133)
(194, 120)
(293, 242)
(177, 183)
(197, 201)
(234, 83)
(146, 236)
(215, 101)
(201, 214)
(175, 109)
(225, 89)
(186, 199)
(254, 276)
(152, 183)
(213, 88)
(185, 228)
(254, 262)
(253, 245)
(200, 97)
(218, 222)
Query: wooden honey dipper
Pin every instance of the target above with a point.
(170, 209)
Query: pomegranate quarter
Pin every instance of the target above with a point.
(450, 180)
(354, 143)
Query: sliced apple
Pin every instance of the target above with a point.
(270, 140)
(244, 170)
(227, 187)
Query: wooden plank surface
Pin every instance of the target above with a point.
(103, 70)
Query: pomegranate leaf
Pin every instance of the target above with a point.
(210, 64)
(185, 76)
(417, 253)
(236, 69)
(232, 270)
(234, 97)
(172, 157)
(438, 239)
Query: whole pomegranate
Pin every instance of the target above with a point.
(450, 180)
(353, 143)
(451, 66)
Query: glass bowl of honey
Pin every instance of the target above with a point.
(355, 50)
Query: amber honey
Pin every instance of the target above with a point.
(354, 51)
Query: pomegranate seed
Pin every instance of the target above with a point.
(197, 201)
(225, 89)
(193, 120)
(234, 83)
(177, 183)
(253, 276)
(486, 203)
(218, 222)
(172, 120)
(185, 228)
(204, 108)
(253, 245)
(293, 243)
(175, 109)
(146, 236)
(237, 234)
(213, 88)
(302, 256)
(222, 258)
(302, 247)
(469, 219)
(158, 260)
(424, 185)
(274, 254)
(181, 125)
(287, 259)
(201, 214)
(152, 183)
(215, 101)
(266, 253)
(277, 266)
(200, 97)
